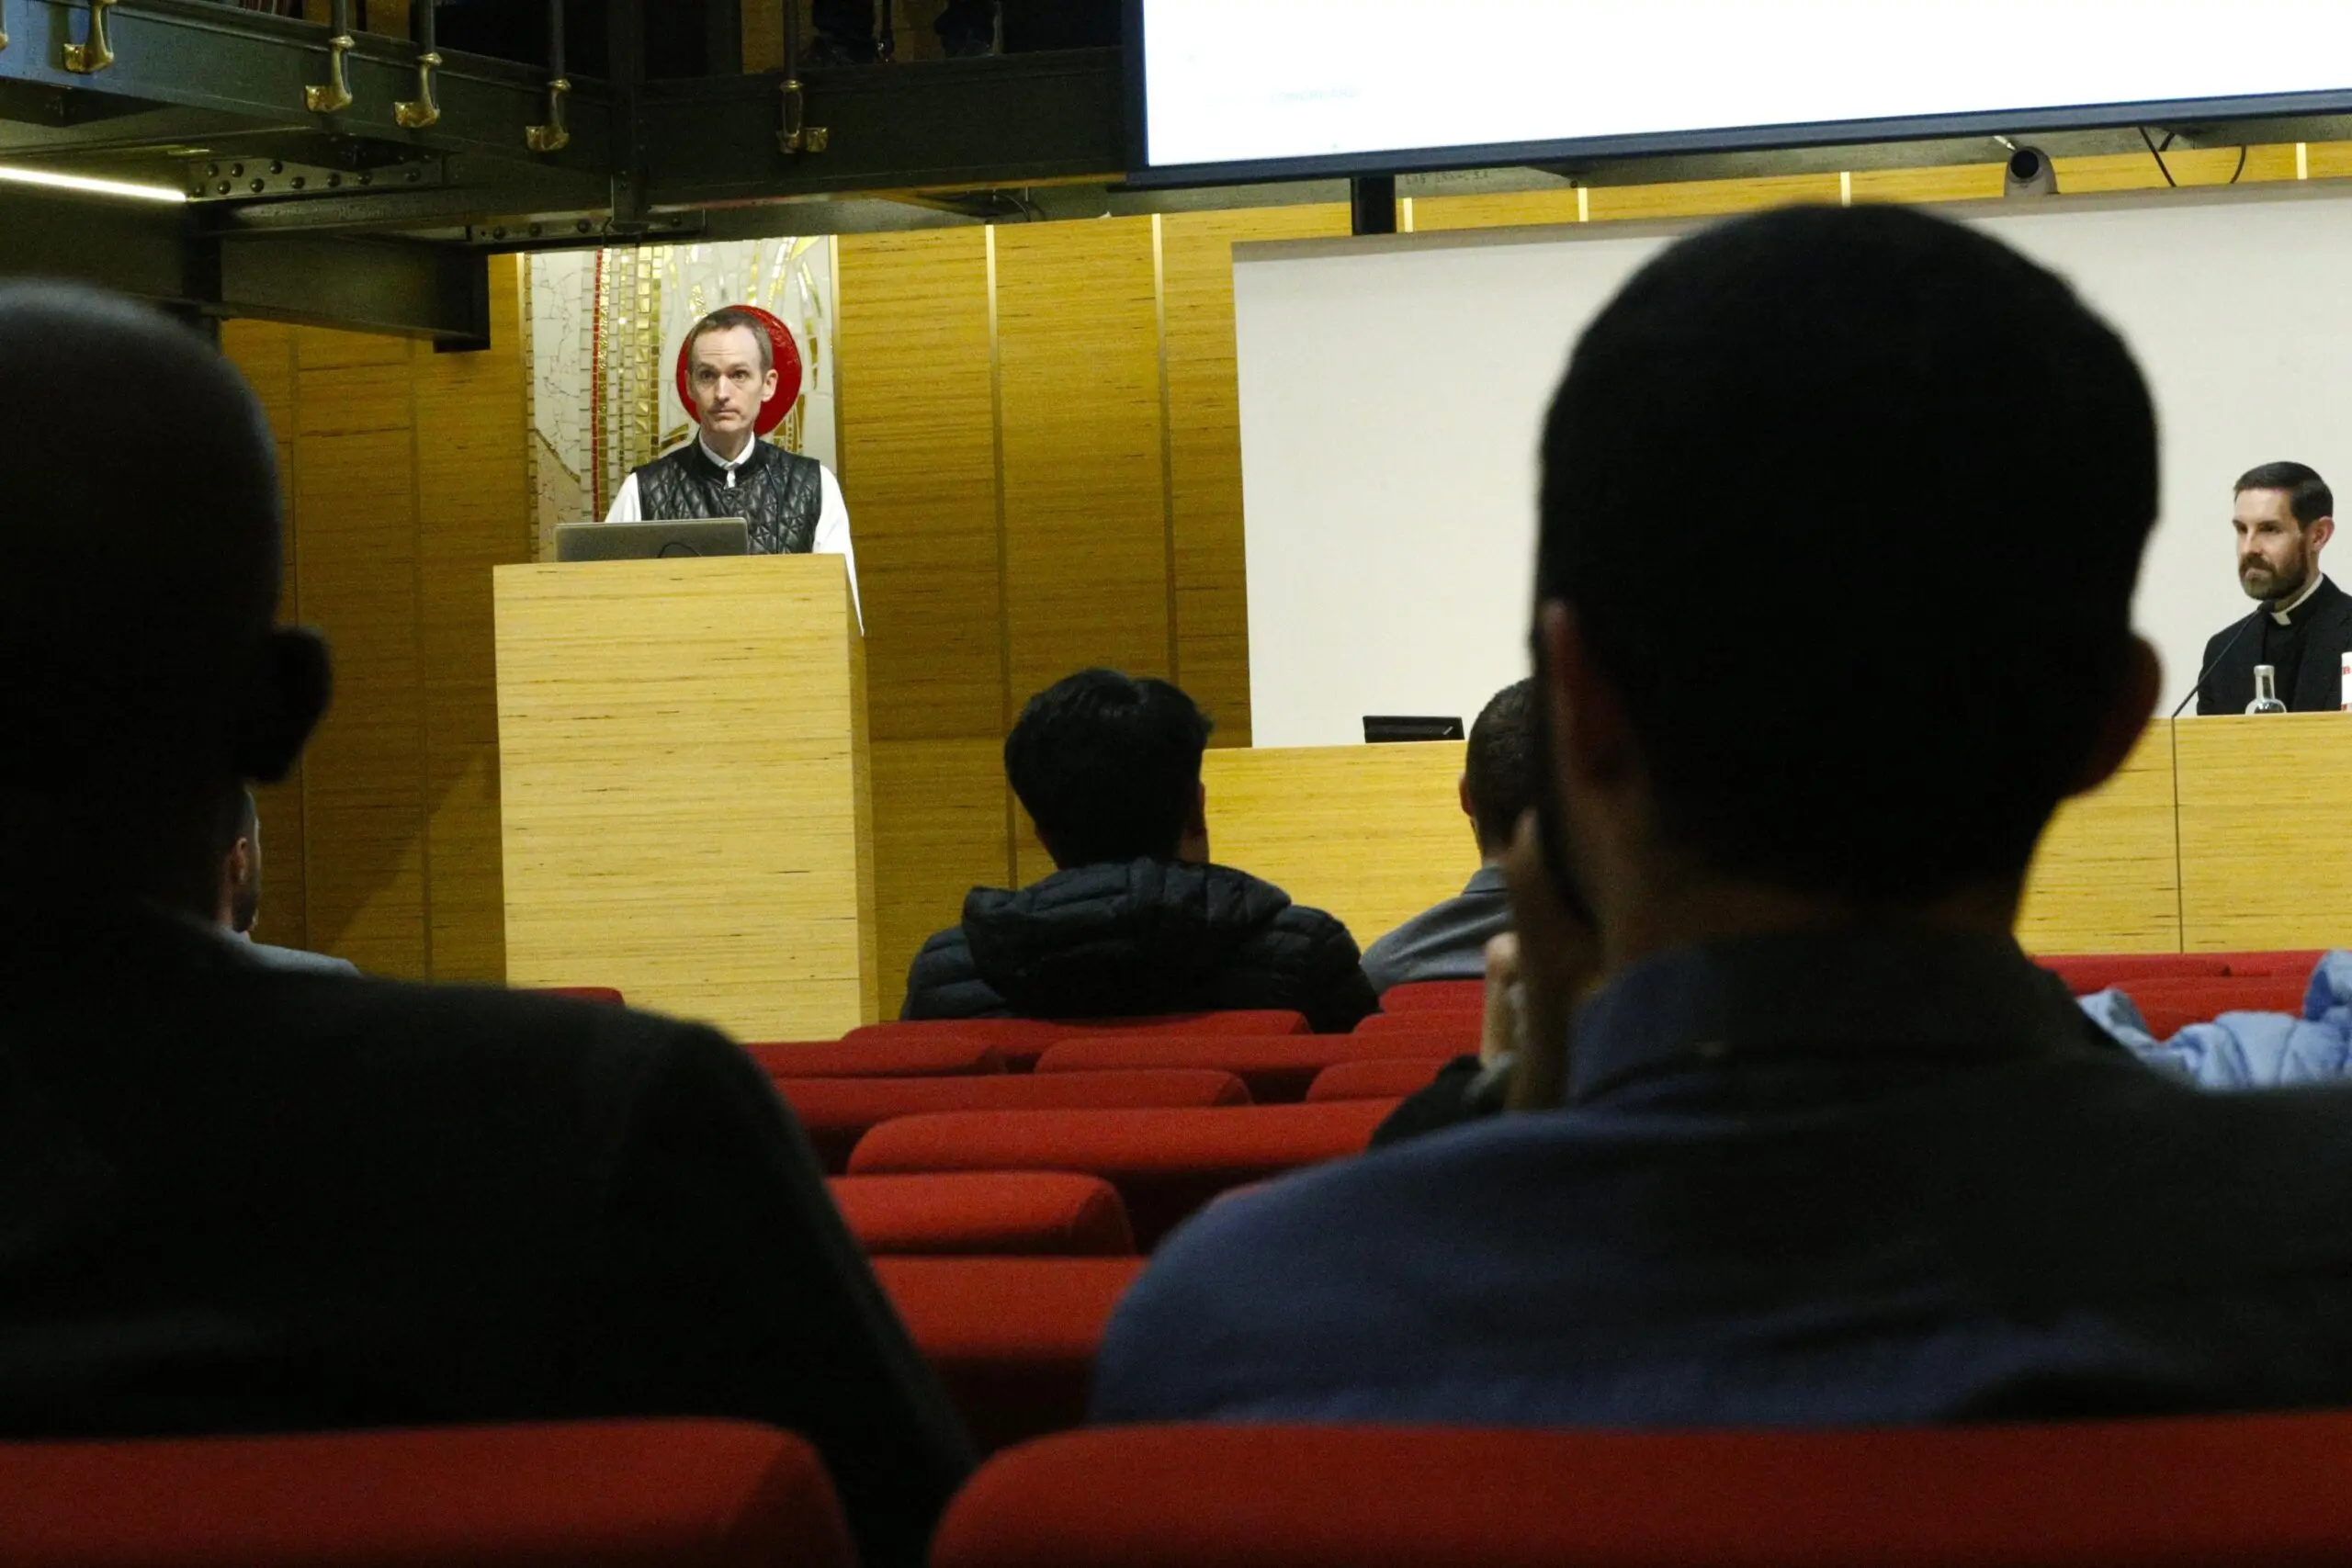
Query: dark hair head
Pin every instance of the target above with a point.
(134, 592)
(1849, 505)
(1108, 767)
(726, 319)
(144, 675)
(2308, 497)
(1501, 771)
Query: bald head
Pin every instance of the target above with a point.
(138, 584)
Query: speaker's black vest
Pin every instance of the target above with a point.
(776, 491)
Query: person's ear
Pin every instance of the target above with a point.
(286, 693)
(1462, 794)
(2136, 695)
(1192, 848)
(2321, 531)
(768, 386)
(1592, 741)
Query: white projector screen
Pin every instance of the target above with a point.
(1303, 85)
(1393, 391)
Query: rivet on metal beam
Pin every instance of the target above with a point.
(336, 96)
(551, 137)
(424, 108)
(94, 55)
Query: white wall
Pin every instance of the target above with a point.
(1392, 393)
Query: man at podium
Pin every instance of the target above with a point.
(790, 504)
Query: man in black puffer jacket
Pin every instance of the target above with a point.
(1136, 921)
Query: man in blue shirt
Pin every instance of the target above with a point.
(1833, 1151)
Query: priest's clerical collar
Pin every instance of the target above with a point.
(745, 456)
(2284, 614)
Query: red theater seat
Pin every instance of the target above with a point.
(2087, 973)
(1012, 1338)
(2297, 960)
(1024, 1040)
(2170, 1006)
(1024, 1213)
(1165, 1164)
(1277, 1068)
(938, 1057)
(1435, 996)
(1391, 1077)
(838, 1111)
(594, 1495)
(2253, 1492)
(602, 994)
(1446, 1026)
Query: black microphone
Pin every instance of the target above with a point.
(2214, 662)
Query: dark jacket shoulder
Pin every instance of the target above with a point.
(1147, 936)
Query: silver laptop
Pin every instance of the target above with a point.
(652, 541)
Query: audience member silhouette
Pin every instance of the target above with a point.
(238, 1199)
(1135, 919)
(1834, 1150)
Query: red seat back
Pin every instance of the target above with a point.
(1012, 1338)
(2292, 961)
(937, 1057)
(1022, 1213)
(838, 1111)
(2088, 972)
(1444, 1026)
(1024, 1040)
(2254, 1492)
(1435, 996)
(2170, 1006)
(1165, 1164)
(1277, 1068)
(594, 1495)
(1389, 1078)
(602, 994)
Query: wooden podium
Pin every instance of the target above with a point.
(685, 788)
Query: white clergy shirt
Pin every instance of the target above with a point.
(832, 515)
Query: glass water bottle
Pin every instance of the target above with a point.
(2266, 692)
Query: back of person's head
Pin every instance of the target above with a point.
(1846, 506)
(2308, 497)
(145, 677)
(1108, 767)
(1500, 773)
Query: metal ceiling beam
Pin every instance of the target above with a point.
(200, 54)
(436, 292)
(925, 125)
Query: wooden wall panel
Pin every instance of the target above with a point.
(1203, 391)
(940, 812)
(918, 468)
(1954, 182)
(473, 515)
(1503, 209)
(363, 772)
(1709, 198)
(1085, 491)
(384, 846)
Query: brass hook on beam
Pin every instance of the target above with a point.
(552, 137)
(336, 96)
(87, 59)
(426, 108)
(797, 135)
